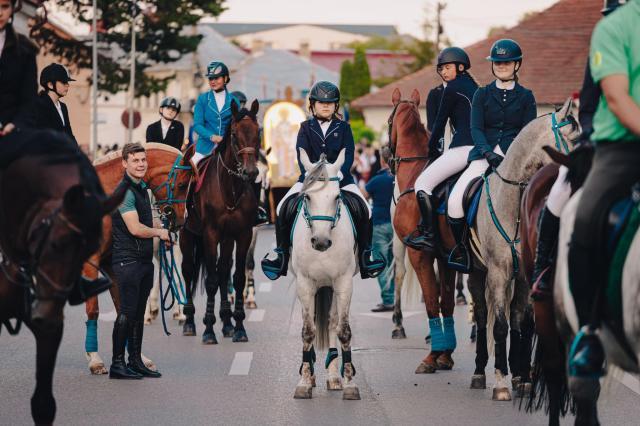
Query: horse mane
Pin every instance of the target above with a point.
(412, 122)
(317, 174)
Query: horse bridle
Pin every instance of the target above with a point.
(309, 218)
(394, 161)
(170, 183)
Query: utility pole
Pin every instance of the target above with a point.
(441, 6)
(93, 144)
(132, 77)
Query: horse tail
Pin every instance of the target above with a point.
(411, 285)
(323, 299)
(198, 265)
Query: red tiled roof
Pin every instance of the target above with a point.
(381, 63)
(555, 43)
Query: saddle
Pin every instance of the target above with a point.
(203, 166)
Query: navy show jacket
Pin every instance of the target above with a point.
(433, 103)
(338, 136)
(455, 106)
(497, 116)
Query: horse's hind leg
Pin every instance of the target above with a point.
(334, 381)
(190, 274)
(527, 329)
(399, 253)
(497, 289)
(43, 404)
(476, 284)
(460, 297)
(211, 285)
(249, 290)
(306, 295)
(520, 339)
(342, 290)
(447, 304)
(223, 274)
(239, 282)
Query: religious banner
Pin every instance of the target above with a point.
(281, 123)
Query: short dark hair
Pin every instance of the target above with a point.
(131, 148)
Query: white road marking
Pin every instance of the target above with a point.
(265, 287)
(388, 315)
(241, 364)
(108, 316)
(631, 381)
(256, 315)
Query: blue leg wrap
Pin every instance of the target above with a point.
(437, 335)
(91, 339)
(449, 333)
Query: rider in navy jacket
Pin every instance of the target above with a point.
(433, 104)
(325, 133)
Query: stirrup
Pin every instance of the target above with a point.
(409, 241)
(84, 289)
(464, 265)
(578, 361)
(270, 268)
(371, 267)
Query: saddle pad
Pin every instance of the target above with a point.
(472, 210)
(202, 171)
(442, 191)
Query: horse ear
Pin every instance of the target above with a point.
(74, 199)
(566, 108)
(396, 96)
(112, 202)
(556, 156)
(415, 97)
(339, 161)
(304, 159)
(255, 106)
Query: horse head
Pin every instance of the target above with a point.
(577, 161)
(407, 135)
(244, 139)
(60, 239)
(321, 198)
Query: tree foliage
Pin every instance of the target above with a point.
(362, 131)
(160, 38)
(355, 77)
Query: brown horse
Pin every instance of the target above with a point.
(51, 210)
(408, 143)
(222, 213)
(168, 177)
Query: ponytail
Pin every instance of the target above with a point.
(471, 77)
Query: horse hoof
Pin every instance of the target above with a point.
(524, 389)
(334, 383)
(181, 322)
(424, 368)
(240, 336)
(351, 393)
(154, 313)
(515, 382)
(96, 365)
(148, 363)
(501, 394)
(147, 320)
(445, 362)
(227, 330)
(313, 381)
(188, 329)
(478, 381)
(209, 338)
(251, 305)
(398, 333)
(303, 392)
(461, 300)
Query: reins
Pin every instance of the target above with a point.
(170, 183)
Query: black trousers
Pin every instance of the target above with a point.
(615, 169)
(135, 280)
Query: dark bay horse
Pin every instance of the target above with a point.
(222, 214)
(409, 148)
(168, 178)
(51, 210)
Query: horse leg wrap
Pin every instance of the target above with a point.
(239, 314)
(437, 335)
(91, 339)
(310, 357)
(482, 353)
(225, 311)
(189, 309)
(331, 355)
(346, 359)
(449, 333)
(514, 352)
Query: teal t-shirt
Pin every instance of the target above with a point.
(129, 202)
(615, 49)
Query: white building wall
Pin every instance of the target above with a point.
(290, 38)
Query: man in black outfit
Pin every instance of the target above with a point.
(167, 130)
(133, 234)
(48, 112)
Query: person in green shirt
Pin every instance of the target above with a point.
(615, 66)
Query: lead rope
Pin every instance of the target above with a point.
(169, 269)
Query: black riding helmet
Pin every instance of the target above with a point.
(240, 97)
(170, 102)
(217, 69)
(53, 73)
(454, 55)
(506, 50)
(611, 5)
(324, 91)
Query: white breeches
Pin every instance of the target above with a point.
(448, 164)
(560, 193)
(298, 186)
(476, 168)
(196, 158)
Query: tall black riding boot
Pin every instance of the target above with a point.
(460, 258)
(135, 351)
(276, 268)
(424, 237)
(119, 369)
(548, 228)
(371, 264)
(261, 214)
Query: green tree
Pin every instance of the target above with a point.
(160, 38)
(362, 131)
(346, 82)
(361, 74)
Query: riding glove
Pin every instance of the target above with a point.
(493, 158)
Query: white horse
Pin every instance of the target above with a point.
(323, 262)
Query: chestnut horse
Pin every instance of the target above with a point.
(408, 143)
(222, 213)
(51, 210)
(168, 177)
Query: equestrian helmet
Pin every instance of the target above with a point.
(611, 5)
(240, 97)
(52, 73)
(505, 50)
(217, 69)
(454, 55)
(170, 102)
(324, 91)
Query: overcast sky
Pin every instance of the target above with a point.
(465, 21)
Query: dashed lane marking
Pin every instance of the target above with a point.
(241, 364)
(388, 315)
(265, 287)
(108, 316)
(631, 381)
(256, 315)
